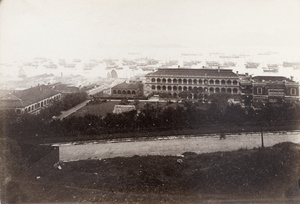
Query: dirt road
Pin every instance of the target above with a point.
(171, 146)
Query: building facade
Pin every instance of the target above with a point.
(259, 90)
(175, 81)
(30, 100)
(125, 90)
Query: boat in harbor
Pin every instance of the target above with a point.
(271, 68)
(291, 64)
(251, 65)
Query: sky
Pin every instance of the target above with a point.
(83, 27)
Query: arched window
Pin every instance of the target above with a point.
(42, 104)
(158, 80)
(133, 92)
(229, 82)
(175, 95)
(119, 92)
(211, 81)
(153, 80)
(164, 88)
(195, 81)
(169, 88)
(185, 88)
(128, 92)
(164, 80)
(29, 109)
(190, 81)
(200, 81)
(175, 81)
(158, 88)
(169, 81)
(223, 90)
(235, 90)
(205, 81)
(179, 88)
(114, 92)
(229, 90)
(153, 87)
(184, 81)
(190, 88)
(217, 82)
(223, 82)
(123, 92)
(174, 88)
(234, 82)
(211, 90)
(217, 90)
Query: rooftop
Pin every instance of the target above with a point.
(31, 95)
(271, 78)
(125, 85)
(193, 72)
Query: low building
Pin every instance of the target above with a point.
(125, 90)
(30, 100)
(123, 108)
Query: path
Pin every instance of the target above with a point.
(65, 114)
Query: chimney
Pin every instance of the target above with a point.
(237, 72)
(292, 78)
(218, 68)
(178, 66)
(246, 74)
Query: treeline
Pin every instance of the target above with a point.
(156, 117)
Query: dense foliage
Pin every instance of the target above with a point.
(153, 117)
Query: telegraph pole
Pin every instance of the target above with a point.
(262, 137)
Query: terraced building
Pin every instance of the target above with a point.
(175, 81)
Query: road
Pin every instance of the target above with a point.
(65, 114)
(170, 145)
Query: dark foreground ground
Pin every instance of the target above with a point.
(268, 175)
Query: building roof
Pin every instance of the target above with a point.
(271, 78)
(193, 72)
(125, 85)
(31, 95)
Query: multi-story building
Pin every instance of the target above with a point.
(175, 81)
(259, 90)
(30, 100)
(274, 89)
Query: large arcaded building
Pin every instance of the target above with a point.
(174, 81)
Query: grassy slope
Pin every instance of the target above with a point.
(247, 174)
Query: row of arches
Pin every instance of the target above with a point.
(41, 103)
(128, 92)
(194, 81)
(198, 89)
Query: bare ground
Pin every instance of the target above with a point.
(259, 175)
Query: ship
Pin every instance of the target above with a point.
(251, 65)
(291, 64)
(271, 68)
(229, 64)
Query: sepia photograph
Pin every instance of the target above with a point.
(149, 101)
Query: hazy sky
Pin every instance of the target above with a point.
(74, 27)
